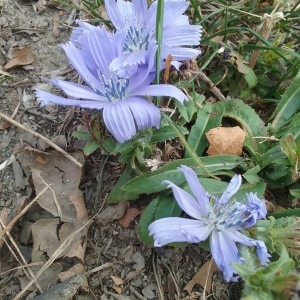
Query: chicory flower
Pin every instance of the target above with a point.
(138, 23)
(217, 218)
(124, 110)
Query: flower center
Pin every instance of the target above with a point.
(114, 86)
(227, 215)
(136, 39)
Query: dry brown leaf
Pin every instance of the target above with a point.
(130, 215)
(117, 289)
(21, 57)
(4, 125)
(112, 213)
(40, 160)
(76, 269)
(117, 280)
(225, 140)
(203, 277)
(241, 65)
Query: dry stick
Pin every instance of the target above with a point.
(21, 267)
(21, 256)
(212, 87)
(10, 225)
(64, 245)
(174, 281)
(156, 277)
(59, 211)
(68, 156)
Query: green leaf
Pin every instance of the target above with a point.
(251, 175)
(161, 207)
(90, 147)
(151, 182)
(250, 77)
(82, 134)
(288, 105)
(208, 117)
(189, 108)
(249, 120)
(117, 195)
(295, 193)
(167, 133)
(109, 145)
(258, 187)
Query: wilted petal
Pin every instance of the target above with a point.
(231, 189)
(145, 113)
(47, 98)
(169, 230)
(162, 90)
(242, 239)
(186, 201)
(119, 121)
(197, 190)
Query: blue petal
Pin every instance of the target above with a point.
(79, 64)
(186, 201)
(140, 79)
(169, 230)
(224, 252)
(137, 57)
(197, 190)
(101, 48)
(76, 90)
(47, 98)
(182, 53)
(114, 14)
(161, 90)
(78, 32)
(242, 239)
(140, 7)
(231, 189)
(119, 121)
(145, 113)
(182, 35)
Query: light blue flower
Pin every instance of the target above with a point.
(217, 218)
(138, 22)
(124, 110)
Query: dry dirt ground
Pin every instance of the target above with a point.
(69, 229)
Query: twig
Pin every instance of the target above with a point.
(37, 113)
(30, 275)
(174, 280)
(161, 294)
(102, 267)
(10, 225)
(68, 156)
(64, 245)
(136, 293)
(212, 87)
(59, 212)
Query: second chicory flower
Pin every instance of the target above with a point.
(218, 219)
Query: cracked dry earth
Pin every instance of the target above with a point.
(69, 229)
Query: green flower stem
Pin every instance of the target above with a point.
(187, 147)
(159, 35)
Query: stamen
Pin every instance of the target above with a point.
(114, 86)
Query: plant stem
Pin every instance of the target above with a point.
(187, 147)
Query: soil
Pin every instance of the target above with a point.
(116, 264)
